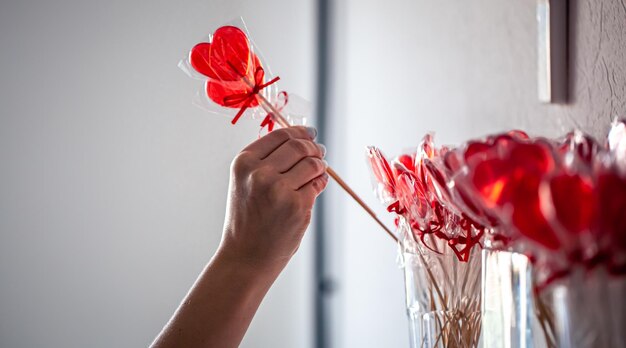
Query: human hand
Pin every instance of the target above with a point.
(274, 183)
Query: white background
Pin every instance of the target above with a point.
(113, 185)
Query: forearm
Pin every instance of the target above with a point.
(274, 183)
(221, 304)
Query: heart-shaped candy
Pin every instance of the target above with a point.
(571, 202)
(227, 58)
(220, 91)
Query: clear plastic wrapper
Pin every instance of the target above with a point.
(412, 186)
(617, 144)
(440, 247)
(236, 81)
(558, 202)
(554, 198)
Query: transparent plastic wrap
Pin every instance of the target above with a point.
(561, 202)
(413, 186)
(512, 316)
(616, 144)
(237, 82)
(440, 248)
(550, 213)
(548, 197)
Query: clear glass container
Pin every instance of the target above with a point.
(443, 298)
(590, 310)
(509, 308)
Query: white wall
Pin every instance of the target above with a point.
(460, 68)
(112, 185)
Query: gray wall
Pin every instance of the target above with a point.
(462, 69)
(112, 185)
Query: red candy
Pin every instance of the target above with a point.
(567, 197)
(571, 202)
(227, 58)
(612, 213)
(416, 187)
(383, 174)
(235, 76)
(220, 91)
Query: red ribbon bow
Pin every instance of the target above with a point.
(245, 99)
(269, 121)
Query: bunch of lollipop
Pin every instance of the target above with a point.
(414, 189)
(560, 201)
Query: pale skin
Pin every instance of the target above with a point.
(274, 183)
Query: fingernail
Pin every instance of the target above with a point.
(325, 176)
(325, 163)
(323, 149)
(312, 132)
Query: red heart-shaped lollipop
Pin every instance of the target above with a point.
(507, 175)
(235, 75)
(490, 178)
(382, 170)
(408, 161)
(227, 58)
(527, 216)
(612, 200)
(219, 92)
(222, 92)
(571, 203)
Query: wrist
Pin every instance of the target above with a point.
(247, 263)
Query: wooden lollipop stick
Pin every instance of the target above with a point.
(269, 108)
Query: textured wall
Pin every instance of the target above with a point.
(462, 69)
(500, 84)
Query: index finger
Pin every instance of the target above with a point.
(267, 144)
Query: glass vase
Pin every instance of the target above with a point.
(443, 298)
(590, 310)
(511, 315)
